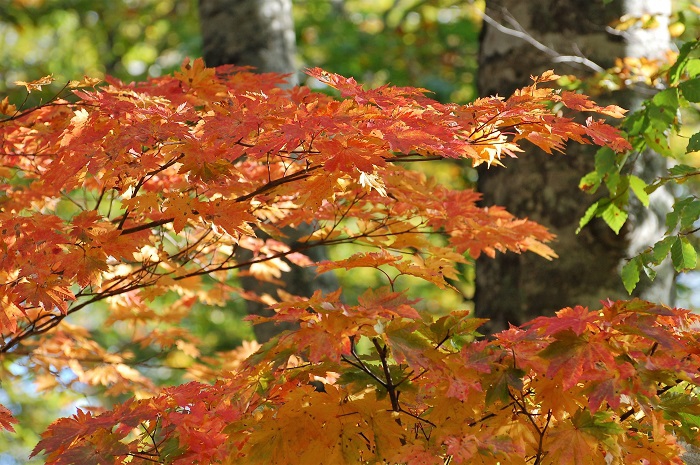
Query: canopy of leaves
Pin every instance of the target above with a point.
(579, 388)
(148, 197)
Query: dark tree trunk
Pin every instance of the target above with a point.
(515, 288)
(260, 33)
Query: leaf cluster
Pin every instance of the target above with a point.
(139, 201)
(378, 382)
(651, 129)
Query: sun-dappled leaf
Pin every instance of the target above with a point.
(630, 273)
(639, 188)
(614, 216)
(683, 254)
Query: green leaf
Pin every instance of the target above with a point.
(601, 425)
(650, 272)
(606, 165)
(615, 217)
(359, 380)
(662, 115)
(658, 142)
(636, 123)
(689, 425)
(684, 170)
(630, 273)
(674, 216)
(605, 161)
(683, 255)
(590, 182)
(661, 249)
(171, 448)
(691, 90)
(688, 51)
(690, 214)
(675, 402)
(499, 385)
(587, 217)
(457, 323)
(655, 185)
(639, 188)
(693, 143)
(664, 106)
(497, 391)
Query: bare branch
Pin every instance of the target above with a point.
(520, 32)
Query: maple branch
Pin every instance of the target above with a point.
(144, 456)
(336, 220)
(443, 340)
(104, 360)
(142, 227)
(147, 177)
(53, 320)
(482, 125)
(278, 182)
(408, 376)
(627, 414)
(48, 103)
(152, 437)
(531, 417)
(687, 233)
(98, 201)
(425, 420)
(360, 364)
(72, 200)
(391, 281)
(540, 443)
(390, 386)
(408, 157)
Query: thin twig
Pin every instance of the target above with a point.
(522, 34)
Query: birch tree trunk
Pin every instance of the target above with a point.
(260, 33)
(515, 288)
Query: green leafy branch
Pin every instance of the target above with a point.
(650, 128)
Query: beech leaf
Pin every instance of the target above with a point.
(630, 273)
(683, 255)
(639, 188)
(614, 216)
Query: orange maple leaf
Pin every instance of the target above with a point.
(6, 419)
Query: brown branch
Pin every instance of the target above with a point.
(383, 351)
(142, 227)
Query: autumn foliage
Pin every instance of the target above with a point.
(151, 197)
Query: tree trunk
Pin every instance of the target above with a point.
(515, 288)
(260, 33)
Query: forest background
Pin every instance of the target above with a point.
(429, 44)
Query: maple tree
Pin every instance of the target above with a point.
(142, 197)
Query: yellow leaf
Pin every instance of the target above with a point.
(567, 445)
(6, 108)
(85, 82)
(36, 85)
